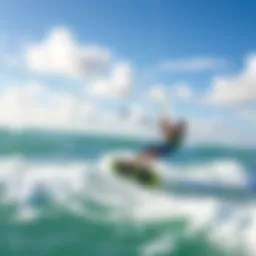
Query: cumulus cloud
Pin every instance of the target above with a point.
(248, 115)
(35, 105)
(191, 64)
(60, 53)
(32, 105)
(181, 91)
(164, 93)
(237, 89)
(158, 94)
(219, 130)
(118, 84)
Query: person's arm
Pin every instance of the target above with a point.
(168, 129)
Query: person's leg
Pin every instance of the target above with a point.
(146, 155)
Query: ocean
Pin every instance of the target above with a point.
(55, 199)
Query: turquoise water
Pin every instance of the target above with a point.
(57, 199)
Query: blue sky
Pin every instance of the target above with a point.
(166, 44)
(156, 29)
(144, 31)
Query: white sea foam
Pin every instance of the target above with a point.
(224, 173)
(161, 246)
(76, 185)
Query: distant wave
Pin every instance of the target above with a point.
(32, 143)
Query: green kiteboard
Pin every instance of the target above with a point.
(139, 174)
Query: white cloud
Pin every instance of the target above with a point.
(235, 89)
(248, 114)
(36, 106)
(182, 91)
(158, 93)
(163, 93)
(59, 53)
(191, 64)
(118, 84)
(32, 105)
(219, 130)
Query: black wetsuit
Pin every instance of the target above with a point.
(166, 147)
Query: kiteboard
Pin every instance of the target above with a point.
(123, 166)
(142, 175)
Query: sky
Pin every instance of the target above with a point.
(115, 66)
